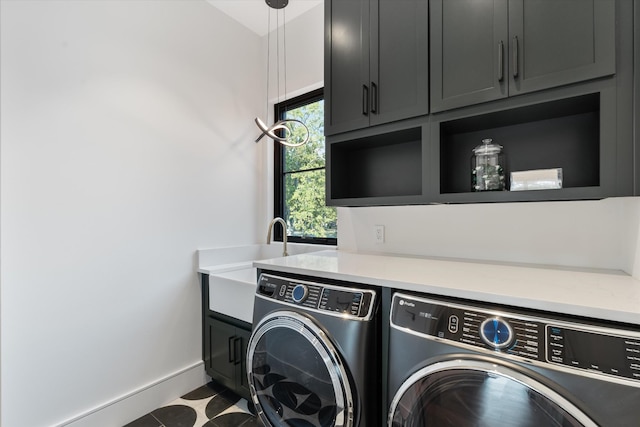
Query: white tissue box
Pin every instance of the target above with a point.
(539, 179)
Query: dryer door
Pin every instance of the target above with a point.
(459, 393)
(296, 376)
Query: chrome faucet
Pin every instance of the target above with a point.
(284, 233)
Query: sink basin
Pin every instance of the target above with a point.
(232, 292)
(232, 277)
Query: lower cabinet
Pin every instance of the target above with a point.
(225, 350)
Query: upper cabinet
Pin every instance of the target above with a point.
(552, 81)
(483, 50)
(376, 62)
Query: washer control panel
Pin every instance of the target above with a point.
(330, 299)
(602, 350)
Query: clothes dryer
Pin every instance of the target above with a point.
(312, 358)
(467, 364)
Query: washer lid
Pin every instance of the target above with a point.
(477, 393)
(296, 376)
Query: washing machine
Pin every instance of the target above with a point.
(313, 355)
(454, 363)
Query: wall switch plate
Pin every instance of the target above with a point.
(378, 235)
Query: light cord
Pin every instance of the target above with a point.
(280, 124)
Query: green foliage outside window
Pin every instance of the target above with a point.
(305, 210)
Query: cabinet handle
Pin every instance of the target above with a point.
(231, 348)
(237, 350)
(500, 61)
(365, 100)
(374, 98)
(515, 56)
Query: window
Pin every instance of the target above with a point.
(299, 196)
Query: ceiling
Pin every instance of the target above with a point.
(253, 14)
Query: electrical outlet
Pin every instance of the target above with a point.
(378, 231)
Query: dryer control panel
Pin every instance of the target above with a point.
(328, 299)
(583, 346)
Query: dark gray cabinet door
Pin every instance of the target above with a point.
(376, 62)
(559, 42)
(346, 74)
(482, 50)
(399, 69)
(225, 355)
(220, 364)
(469, 47)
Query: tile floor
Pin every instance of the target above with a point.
(211, 405)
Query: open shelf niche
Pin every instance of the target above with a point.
(563, 134)
(387, 165)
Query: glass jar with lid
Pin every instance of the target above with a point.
(488, 167)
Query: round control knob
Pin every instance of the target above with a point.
(299, 293)
(496, 333)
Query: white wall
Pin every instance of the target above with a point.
(126, 144)
(305, 52)
(589, 234)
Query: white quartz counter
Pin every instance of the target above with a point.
(599, 294)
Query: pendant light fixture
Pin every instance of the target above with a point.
(283, 126)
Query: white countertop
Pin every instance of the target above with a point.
(599, 294)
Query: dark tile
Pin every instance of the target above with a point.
(220, 402)
(145, 421)
(251, 407)
(253, 422)
(207, 390)
(234, 419)
(176, 416)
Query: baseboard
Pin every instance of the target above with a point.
(130, 406)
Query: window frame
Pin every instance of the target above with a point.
(280, 110)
